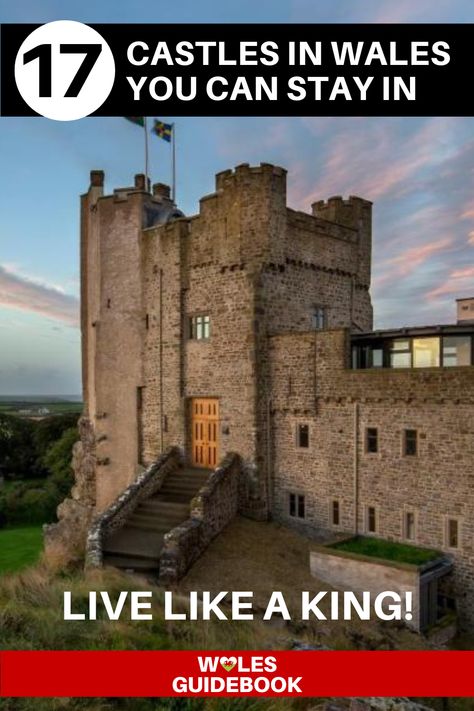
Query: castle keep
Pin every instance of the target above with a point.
(229, 365)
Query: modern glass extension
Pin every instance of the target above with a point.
(440, 346)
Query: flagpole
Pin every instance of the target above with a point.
(146, 153)
(174, 161)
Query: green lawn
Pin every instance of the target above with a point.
(388, 550)
(19, 547)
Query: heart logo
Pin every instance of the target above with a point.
(228, 663)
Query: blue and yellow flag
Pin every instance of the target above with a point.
(163, 130)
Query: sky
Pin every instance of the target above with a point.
(419, 172)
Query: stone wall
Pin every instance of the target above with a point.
(212, 510)
(146, 484)
(313, 385)
(67, 537)
(358, 574)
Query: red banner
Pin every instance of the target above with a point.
(234, 674)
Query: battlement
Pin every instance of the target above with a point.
(244, 170)
(348, 212)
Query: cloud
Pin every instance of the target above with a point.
(459, 283)
(18, 291)
(410, 260)
(374, 157)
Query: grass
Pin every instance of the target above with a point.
(31, 616)
(388, 550)
(19, 547)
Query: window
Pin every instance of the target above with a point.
(371, 520)
(456, 350)
(199, 327)
(297, 506)
(452, 533)
(426, 352)
(335, 514)
(400, 353)
(377, 358)
(409, 526)
(367, 357)
(302, 436)
(410, 443)
(319, 317)
(371, 440)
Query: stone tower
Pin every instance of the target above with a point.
(249, 265)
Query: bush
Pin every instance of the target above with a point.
(35, 501)
(18, 453)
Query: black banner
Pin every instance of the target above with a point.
(261, 70)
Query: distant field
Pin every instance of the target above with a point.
(19, 547)
(37, 408)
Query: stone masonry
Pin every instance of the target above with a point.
(262, 273)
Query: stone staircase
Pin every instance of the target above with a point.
(137, 545)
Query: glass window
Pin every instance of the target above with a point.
(426, 352)
(410, 443)
(371, 520)
(410, 525)
(319, 317)
(453, 533)
(199, 327)
(355, 357)
(377, 357)
(371, 440)
(400, 353)
(302, 436)
(297, 505)
(457, 350)
(335, 513)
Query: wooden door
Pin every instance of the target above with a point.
(205, 432)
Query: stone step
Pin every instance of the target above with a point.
(137, 546)
(157, 507)
(162, 517)
(154, 524)
(180, 486)
(177, 498)
(135, 543)
(180, 491)
(131, 563)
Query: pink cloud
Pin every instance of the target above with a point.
(459, 282)
(369, 160)
(408, 261)
(28, 294)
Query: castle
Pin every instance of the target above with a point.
(247, 329)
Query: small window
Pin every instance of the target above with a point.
(371, 520)
(199, 327)
(456, 351)
(297, 506)
(302, 436)
(319, 317)
(372, 440)
(335, 513)
(410, 443)
(409, 526)
(452, 533)
(400, 353)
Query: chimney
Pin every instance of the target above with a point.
(97, 178)
(141, 182)
(465, 310)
